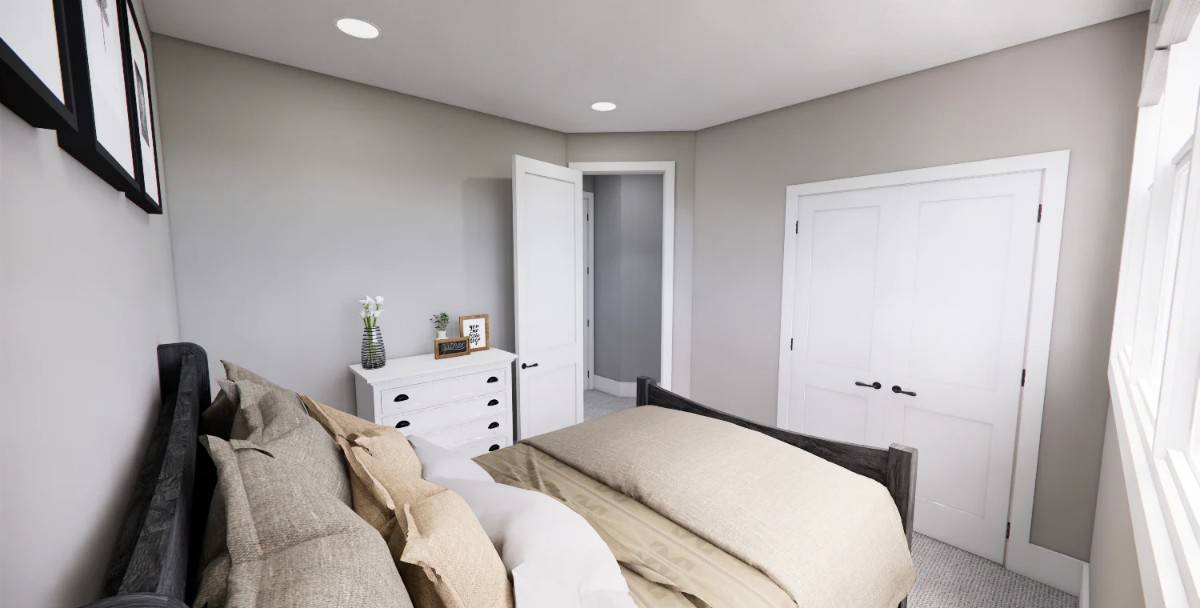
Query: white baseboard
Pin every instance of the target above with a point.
(1083, 588)
(614, 388)
(1058, 570)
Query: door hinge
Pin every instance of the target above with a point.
(791, 344)
(797, 226)
(1039, 213)
(589, 373)
(1022, 377)
(589, 324)
(1007, 530)
(589, 270)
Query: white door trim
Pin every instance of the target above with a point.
(1022, 556)
(589, 287)
(667, 170)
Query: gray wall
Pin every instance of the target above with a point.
(1113, 575)
(294, 194)
(1077, 91)
(86, 294)
(628, 284)
(681, 149)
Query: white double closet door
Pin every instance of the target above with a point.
(909, 327)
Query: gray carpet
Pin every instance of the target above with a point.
(948, 577)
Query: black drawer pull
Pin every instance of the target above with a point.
(401, 397)
(402, 424)
(493, 402)
(899, 391)
(875, 385)
(492, 379)
(494, 425)
(494, 447)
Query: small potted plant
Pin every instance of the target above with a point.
(373, 353)
(440, 322)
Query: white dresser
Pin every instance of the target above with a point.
(461, 403)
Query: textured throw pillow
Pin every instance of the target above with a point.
(439, 463)
(444, 556)
(290, 543)
(275, 419)
(217, 420)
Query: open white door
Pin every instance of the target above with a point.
(548, 276)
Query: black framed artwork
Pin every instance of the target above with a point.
(98, 55)
(148, 192)
(35, 70)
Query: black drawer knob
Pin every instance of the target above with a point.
(494, 425)
(493, 402)
(401, 397)
(402, 424)
(494, 447)
(492, 379)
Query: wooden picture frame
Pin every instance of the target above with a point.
(446, 348)
(99, 53)
(32, 84)
(477, 329)
(142, 127)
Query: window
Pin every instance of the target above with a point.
(1155, 361)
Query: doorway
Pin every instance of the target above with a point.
(629, 278)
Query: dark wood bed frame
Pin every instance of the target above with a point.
(153, 562)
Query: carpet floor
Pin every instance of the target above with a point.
(948, 577)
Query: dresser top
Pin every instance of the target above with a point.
(417, 365)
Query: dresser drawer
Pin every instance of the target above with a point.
(447, 414)
(495, 425)
(483, 445)
(419, 396)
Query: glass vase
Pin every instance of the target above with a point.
(373, 354)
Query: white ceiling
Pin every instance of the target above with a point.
(668, 64)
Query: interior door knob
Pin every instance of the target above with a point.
(899, 391)
(528, 365)
(875, 385)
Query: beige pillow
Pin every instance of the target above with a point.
(443, 554)
(290, 544)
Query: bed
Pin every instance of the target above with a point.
(153, 561)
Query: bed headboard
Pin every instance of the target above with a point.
(895, 467)
(160, 538)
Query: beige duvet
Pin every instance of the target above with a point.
(822, 535)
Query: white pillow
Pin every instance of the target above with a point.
(438, 462)
(556, 559)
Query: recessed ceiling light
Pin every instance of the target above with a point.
(357, 28)
(604, 106)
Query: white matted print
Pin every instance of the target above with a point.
(106, 68)
(145, 118)
(477, 330)
(30, 29)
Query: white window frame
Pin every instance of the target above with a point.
(1154, 368)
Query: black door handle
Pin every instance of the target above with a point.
(528, 365)
(402, 424)
(494, 425)
(899, 391)
(875, 385)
